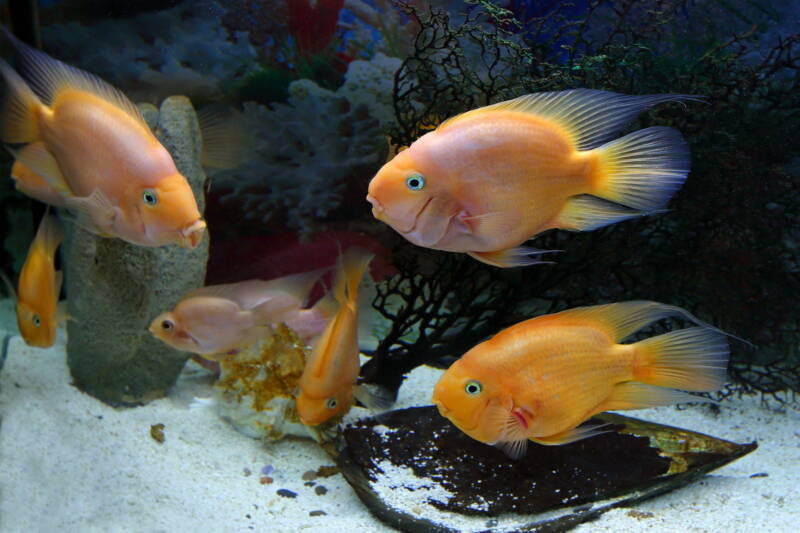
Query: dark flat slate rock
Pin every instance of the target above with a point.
(419, 473)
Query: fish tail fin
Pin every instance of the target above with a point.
(20, 115)
(693, 359)
(49, 235)
(642, 170)
(353, 265)
(223, 136)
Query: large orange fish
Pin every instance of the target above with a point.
(217, 320)
(328, 383)
(38, 311)
(488, 180)
(540, 379)
(92, 146)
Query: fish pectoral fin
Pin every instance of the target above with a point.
(514, 449)
(40, 160)
(62, 314)
(635, 395)
(513, 257)
(95, 212)
(586, 213)
(572, 435)
(9, 286)
(374, 397)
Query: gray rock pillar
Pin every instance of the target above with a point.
(115, 288)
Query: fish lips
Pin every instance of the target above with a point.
(191, 235)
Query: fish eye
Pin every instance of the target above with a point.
(149, 197)
(37, 320)
(415, 182)
(473, 387)
(167, 325)
(331, 403)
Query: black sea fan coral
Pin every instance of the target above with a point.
(727, 249)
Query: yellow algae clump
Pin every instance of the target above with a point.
(256, 386)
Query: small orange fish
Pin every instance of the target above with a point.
(217, 320)
(38, 313)
(488, 180)
(540, 379)
(92, 146)
(328, 383)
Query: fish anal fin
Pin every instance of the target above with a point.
(512, 257)
(635, 395)
(586, 213)
(41, 161)
(573, 435)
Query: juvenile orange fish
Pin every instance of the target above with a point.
(540, 379)
(488, 180)
(92, 146)
(217, 320)
(328, 383)
(38, 313)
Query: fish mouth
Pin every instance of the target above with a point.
(377, 208)
(416, 218)
(191, 236)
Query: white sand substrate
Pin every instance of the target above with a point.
(69, 463)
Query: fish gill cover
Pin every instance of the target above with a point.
(727, 249)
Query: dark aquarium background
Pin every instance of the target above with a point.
(326, 90)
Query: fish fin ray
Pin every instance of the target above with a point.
(635, 395)
(374, 397)
(589, 116)
(48, 76)
(49, 235)
(693, 359)
(586, 213)
(40, 160)
(573, 435)
(224, 139)
(514, 449)
(512, 257)
(9, 286)
(643, 169)
(94, 213)
(622, 319)
(20, 109)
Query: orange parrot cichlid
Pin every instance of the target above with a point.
(486, 181)
(90, 144)
(540, 379)
(328, 383)
(38, 310)
(218, 320)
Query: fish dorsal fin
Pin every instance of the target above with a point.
(625, 318)
(48, 76)
(589, 116)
